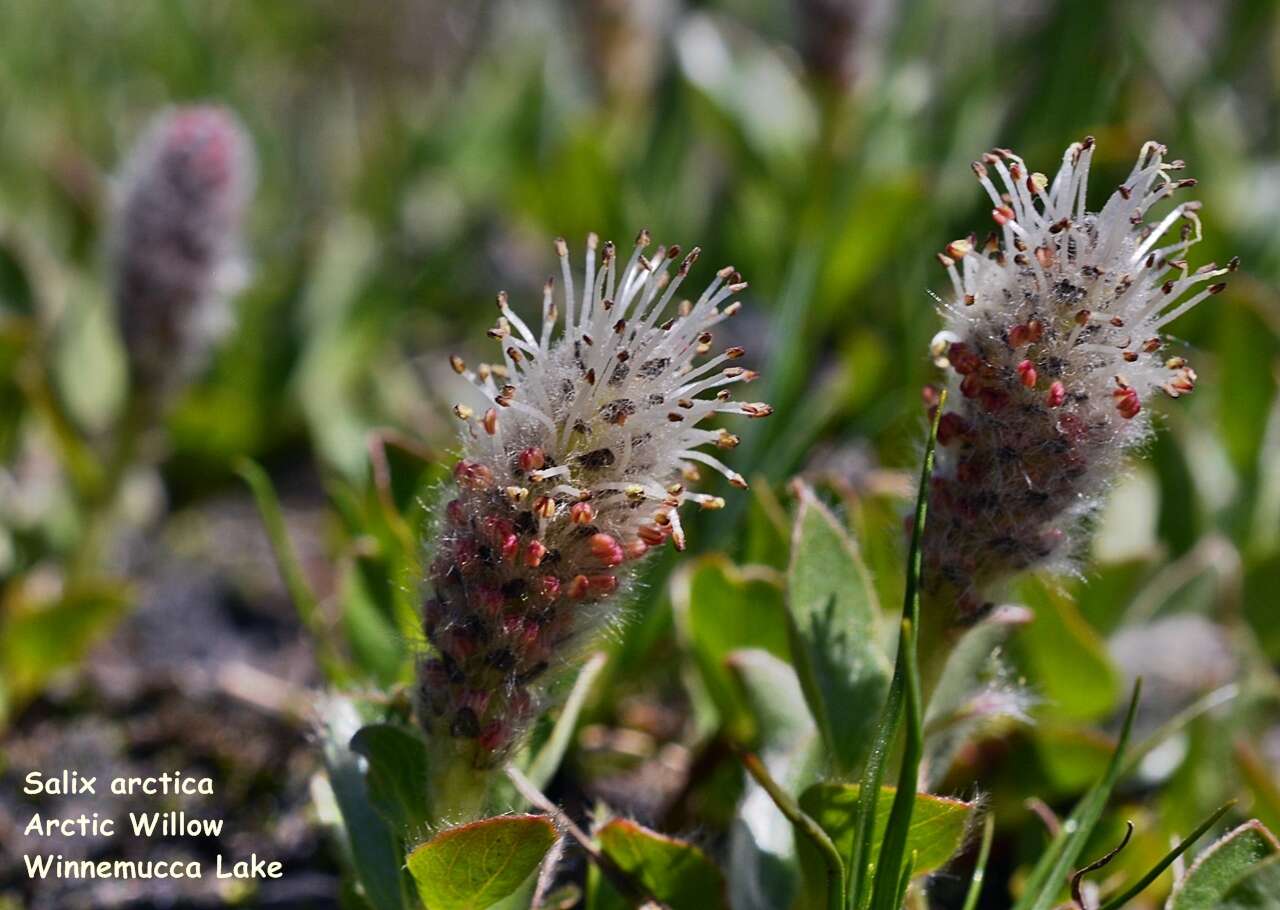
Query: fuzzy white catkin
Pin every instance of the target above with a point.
(176, 239)
(574, 466)
(1053, 345)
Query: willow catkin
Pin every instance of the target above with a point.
(176, 239)
(572, 470)
(1054, 346)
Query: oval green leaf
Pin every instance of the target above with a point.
(1220, 867)
(938, 828)
(474, 866)
(834, 617)
(674, 871)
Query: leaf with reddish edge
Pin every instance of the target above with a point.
(675, 872)
(475, 865)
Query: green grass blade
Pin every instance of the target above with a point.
(1051, 871)
(980, 867)
(893, 848)
(806, 826)
(295, 581)
(904, 687)
(1141, 884)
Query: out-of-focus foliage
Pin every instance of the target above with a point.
(416, 157)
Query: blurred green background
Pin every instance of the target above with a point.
(415, 157)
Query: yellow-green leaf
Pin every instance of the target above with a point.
(938, 827)
(676, 872)
(474, 866)
(1220, 867)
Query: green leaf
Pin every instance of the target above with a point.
(287, 562)
(834, 617)
(767, 531)
(371, 634)
(1066, 658)
(762, 870)
(1120, 900)
(969, 663)
(720, 608)
(38, 639)
(937, 830)
(1072, 756)
(374, 848)
(904, 702)
(1257, 889)
(1217, 870)
(397, 775)
(474, 866)
(674, 871)
(545, 762)
(973, 694)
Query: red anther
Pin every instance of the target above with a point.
(651, 535)
(963, 360)
(970, 386)
(950, 427)
(993, 399)
(509, 545)
(531, 459)
(1057, 395)
(602, 584)
(534, 553)
(581, 513)
(1027, 373)
(473, 475)
(1019, 335)
(1185, 381)
(636, 548)
(496, 527)
(1035, 329)
(455, 513)
(1127, 402)
(513, 625)
(490, 599)
(578, 587)
(606, 548)
(549, 585)
(929, 395)
(1002, 215)
(493, 737)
